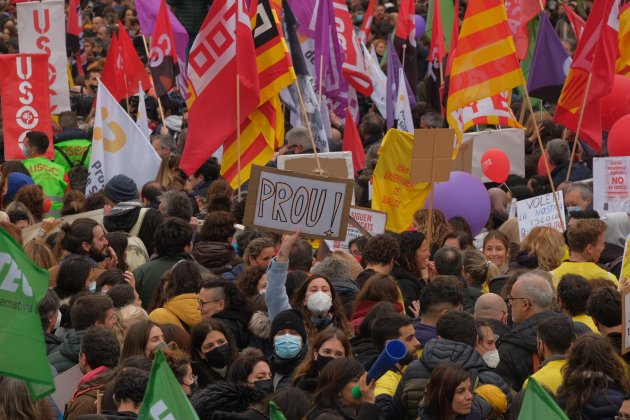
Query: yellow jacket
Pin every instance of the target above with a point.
(182, 309)
(588, 270)
(588, 321)
(550, 375)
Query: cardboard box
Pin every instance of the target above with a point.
(432, 155)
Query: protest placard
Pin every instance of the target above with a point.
(334, 164)
(281, 201)
(372, 221)
(540, 211)
(611, 189)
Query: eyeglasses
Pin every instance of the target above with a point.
(509, 299)
(202, 303)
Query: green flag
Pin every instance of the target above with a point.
(23, 352)
(538, 404)
(165, 398)
(447, 10)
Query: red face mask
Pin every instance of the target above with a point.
(47, 205)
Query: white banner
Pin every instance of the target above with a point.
(611, 185)
(42, 29)
(510, 140)
(372, 221)
(118, 146)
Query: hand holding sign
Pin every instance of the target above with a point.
(287, 244)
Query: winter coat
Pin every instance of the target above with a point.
(52, 343)
(366, 412)
(364, 351)
(424, 333)
(517, 349)
(436, 352)
(578, 173)
(603, 406)
(125, 221)
(84, 400)
(259, 331)
(182, 310)
(236, 323)
(217, 257)
(409, 284)
(364, 276)
(68, 354)
(347, 290)
(362, 311)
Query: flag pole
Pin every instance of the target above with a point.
(238, 135)
(431, 190)
(308, 127)
(146, 49)
(579, 125)
(321, 77)
(545, 160)
(127, 94)
(404, 53)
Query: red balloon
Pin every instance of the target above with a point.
(618, 144)
(495, 165)
(617, 103)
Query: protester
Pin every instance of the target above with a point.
(449, 394)
(213, 351)
(378, 257)
(379, 288)
(144, 338)
(410, 266)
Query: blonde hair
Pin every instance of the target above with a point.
(40, 254)
(441, 227)
(548, 246)
(479, 269)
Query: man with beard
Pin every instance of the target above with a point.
(86, 237)
(393, 326)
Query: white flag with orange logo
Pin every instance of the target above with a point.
(118, 146)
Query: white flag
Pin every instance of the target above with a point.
(379, 80)
(404, 120)
(142, 119)
(118, 146)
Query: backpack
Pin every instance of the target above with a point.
(78, 173)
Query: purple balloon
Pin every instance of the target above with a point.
(421, 25)
(463, 195)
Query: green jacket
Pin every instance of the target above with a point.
(53, 179)
(75, 150)
(68, 354)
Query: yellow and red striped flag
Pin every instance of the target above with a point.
(263, 130)
(484, 63)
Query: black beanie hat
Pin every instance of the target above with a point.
(291, 318)
(121, 188)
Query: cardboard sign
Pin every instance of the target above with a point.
(625, 318)
(509, 140)
(540, 211)
(280, 201)
(373, 221)
(611, 185)
(66, 385)
(336, 164)
(29, 232)
(432, 155)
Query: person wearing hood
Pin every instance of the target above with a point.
(99, 355)
(127, 213)
(72, 146)
(214, 249)
(213, 351)
(457, 338)
(290, 345)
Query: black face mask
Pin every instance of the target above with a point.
(94, 87)
(322, 361)
(218, 357)
(265, 386)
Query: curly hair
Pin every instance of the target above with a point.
(548, 246)
(574, 291)
(410, 242)
(218, 226)
(381, 249)
(440, 225)
(248, 280)
(178, 360)
(33, 197)
(591, 367)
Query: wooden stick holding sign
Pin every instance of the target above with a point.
(280, 201)
(431, 162)
(308, 125)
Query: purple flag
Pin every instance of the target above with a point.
(550, 64)
(393, 64)
(327, 48)
(147, 15)
(305, 13)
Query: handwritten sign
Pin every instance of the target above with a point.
(540, 211)
(281, 201)
(611, 188)
(372, 221)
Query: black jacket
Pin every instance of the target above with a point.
(364, 351)
(366, 412)
(125, 221)
(579, 172)
(410, 286)
(517, 349)
(52, 343)
(237, 325)
(218, 257)
(436, 352)
(603, 406)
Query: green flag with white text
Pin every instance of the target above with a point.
(23, 352)
(538, 404)
(164, 397)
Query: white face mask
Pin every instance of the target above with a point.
(319, 303)
(58, 321)
(491, 358)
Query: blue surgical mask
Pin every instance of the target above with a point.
(92, 287)
(573, 209)
(287, 346)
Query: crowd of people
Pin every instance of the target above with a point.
(253, 324)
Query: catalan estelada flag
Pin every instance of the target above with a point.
(484, 63)
(263, 130)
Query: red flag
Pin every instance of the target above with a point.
(222, 55)
(436, 50)
(576, 21)
(596, 54)
(368, 18)
(74, 34)
(163, 57)
(24, 80)
(520, 12)
(123, 69)
(352, 143)
(406, 26)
